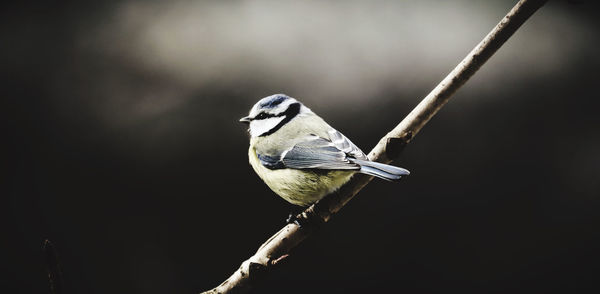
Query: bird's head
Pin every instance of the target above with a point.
(271, 113)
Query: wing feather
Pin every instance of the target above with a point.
(313, 152)
(335, 153)
(344, 144)
(319, 153)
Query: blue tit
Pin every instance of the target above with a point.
(299, 156)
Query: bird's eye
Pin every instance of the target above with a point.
(262, 115)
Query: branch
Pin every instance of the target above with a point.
(53, 267)
(279, 245)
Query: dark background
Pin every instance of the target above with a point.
(120, 143)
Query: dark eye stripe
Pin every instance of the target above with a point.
(289, 114)
(265, 115)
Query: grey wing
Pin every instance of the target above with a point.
(345, 145)
(312, 153)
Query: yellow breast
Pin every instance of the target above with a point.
(299, 187)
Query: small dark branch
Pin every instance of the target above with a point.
(53, 267)
(388, 148)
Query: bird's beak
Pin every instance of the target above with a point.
(245, 119)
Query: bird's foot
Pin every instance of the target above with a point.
(303, 221)
(293, 219)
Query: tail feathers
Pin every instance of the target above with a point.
(380, 170)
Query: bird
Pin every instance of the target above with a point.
(301, 157)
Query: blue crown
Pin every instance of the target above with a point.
(273, 100)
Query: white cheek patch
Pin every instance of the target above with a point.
(259, 127)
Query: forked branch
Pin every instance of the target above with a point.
(279, 245)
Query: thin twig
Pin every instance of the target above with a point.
(53, 267)
(278, 246)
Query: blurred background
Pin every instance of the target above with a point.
(121, 144)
